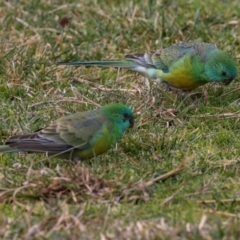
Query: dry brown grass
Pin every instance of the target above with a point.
(175, 175)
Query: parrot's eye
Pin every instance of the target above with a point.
(128, 117)
(125, 117)
(224, 73)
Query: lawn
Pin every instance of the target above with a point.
(175, 175)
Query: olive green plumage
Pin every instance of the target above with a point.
(77, 136)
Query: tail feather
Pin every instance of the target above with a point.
(8, 149)
(52, 147)
(117, 63)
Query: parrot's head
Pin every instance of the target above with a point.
(120, 115)
(220, 67)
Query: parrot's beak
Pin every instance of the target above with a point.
(228, 81)
(131, 121)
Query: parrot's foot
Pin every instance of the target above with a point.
(194, 97)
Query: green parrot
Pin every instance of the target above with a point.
(77, 136)
(183, 66)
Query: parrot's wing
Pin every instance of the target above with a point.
(164, 59)
(75, 130)
(169, 56)
(66, 133)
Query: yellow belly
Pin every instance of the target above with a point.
(99, 146)
(181, 76)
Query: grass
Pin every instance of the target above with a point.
(175, 175)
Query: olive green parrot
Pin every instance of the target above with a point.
(78, 136)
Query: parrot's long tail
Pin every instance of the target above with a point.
(118, 63)
(7, 149)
